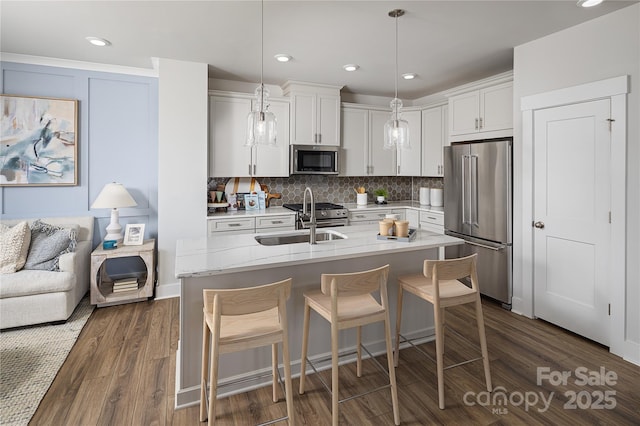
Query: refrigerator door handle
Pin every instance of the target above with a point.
(502, 247)
(473, 208)
(465, 189)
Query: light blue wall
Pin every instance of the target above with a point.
(118, 142)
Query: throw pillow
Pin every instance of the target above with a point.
(48, 243)
(14, 246)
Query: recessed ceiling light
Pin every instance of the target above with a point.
(409, 76)
(589, 3)
(351, 67)
(97, 41)
(281, 57)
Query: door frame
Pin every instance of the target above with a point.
(615, 89)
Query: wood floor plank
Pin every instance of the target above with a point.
(122, 372)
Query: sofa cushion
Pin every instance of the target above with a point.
(25, 283)
(14, 246)
(48, 242)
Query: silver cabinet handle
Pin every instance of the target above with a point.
(319, 137)
(398, 170)
(276, 222)
(538, 225)
(234, 224)
(481, 122)
(476, 124)
(254, 169)
(249, 168)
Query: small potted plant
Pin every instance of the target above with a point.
(381, 194)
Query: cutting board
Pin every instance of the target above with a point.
(242, 185)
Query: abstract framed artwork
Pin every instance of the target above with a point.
(39, 141)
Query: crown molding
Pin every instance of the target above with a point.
(87, 66)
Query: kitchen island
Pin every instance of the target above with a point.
(236, 261)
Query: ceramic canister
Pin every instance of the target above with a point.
(436, 197)
(424, 196)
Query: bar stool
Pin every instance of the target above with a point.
(439, 286)
(346, 301)
(240, 319)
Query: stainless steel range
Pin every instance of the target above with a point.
(327, 214)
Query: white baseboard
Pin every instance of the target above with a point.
(167, 291)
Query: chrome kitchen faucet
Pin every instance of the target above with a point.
(312, 219)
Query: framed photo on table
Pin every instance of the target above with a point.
(134, 234)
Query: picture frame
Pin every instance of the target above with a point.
(134, 234)
(38, 141)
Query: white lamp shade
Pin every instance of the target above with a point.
(113, 195)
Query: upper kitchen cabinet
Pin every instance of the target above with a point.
(486, 112)
(408, 160)
(434, 139)
(227, 133)
(362, 151)
(315, 113)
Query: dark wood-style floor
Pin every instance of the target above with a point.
(121, 372)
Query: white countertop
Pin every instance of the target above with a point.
(279, 210)
(233, 253)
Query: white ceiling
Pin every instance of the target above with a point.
(447, 43)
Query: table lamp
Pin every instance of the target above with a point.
(113, 196)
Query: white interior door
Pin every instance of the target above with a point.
(571, 214)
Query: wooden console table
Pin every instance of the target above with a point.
(102, 285)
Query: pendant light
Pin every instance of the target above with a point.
(396, 130)
(261, 123)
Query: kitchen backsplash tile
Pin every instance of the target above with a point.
(336, 189)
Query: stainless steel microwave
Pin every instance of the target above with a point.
(313, 160)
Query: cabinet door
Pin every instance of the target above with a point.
(382, 162)
(274, 161)
(328, 127)
(303, 118)
(227, 132)
(409, 159)
(413, 216)
(464, 113)
(496, 107)
(432, 141)
(355, 136)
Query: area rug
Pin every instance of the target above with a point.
(30, 358)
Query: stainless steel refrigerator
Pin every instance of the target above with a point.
(478, 208)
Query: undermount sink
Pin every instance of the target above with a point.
(290, 238)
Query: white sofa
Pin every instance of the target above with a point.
(33, 296)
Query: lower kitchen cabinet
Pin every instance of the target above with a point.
(367, 217)
(275, 223)
(413, 216)
(432, 221)
(258, 223)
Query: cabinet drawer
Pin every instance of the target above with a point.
(368, 215)
(287, 221)
(231, 224)
(433, 218)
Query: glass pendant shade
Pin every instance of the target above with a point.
(261, 123)
(396, 130)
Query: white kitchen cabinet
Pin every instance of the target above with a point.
(408, 160)
(369, 217)
(315, 113)
(275, 223)
(432, 221)
(354, 159)
(413, 216)
(227, 225)
(382, 162)
(227, 133)
(434, 139)
(480, 112)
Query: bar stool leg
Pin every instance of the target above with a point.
(213, 378)
(392, 370)
(274, 371)
(439, 355)
(205, 370)
(305, 346)
(396, 354)
(483, 343)
(359, 352)
(288, 387)
(334, 374)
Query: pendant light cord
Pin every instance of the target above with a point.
(395, 109)
(261, 55)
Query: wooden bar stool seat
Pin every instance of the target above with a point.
(346, 301)
(240, 319)
(439, 285)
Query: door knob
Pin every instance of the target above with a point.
(538, 225)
